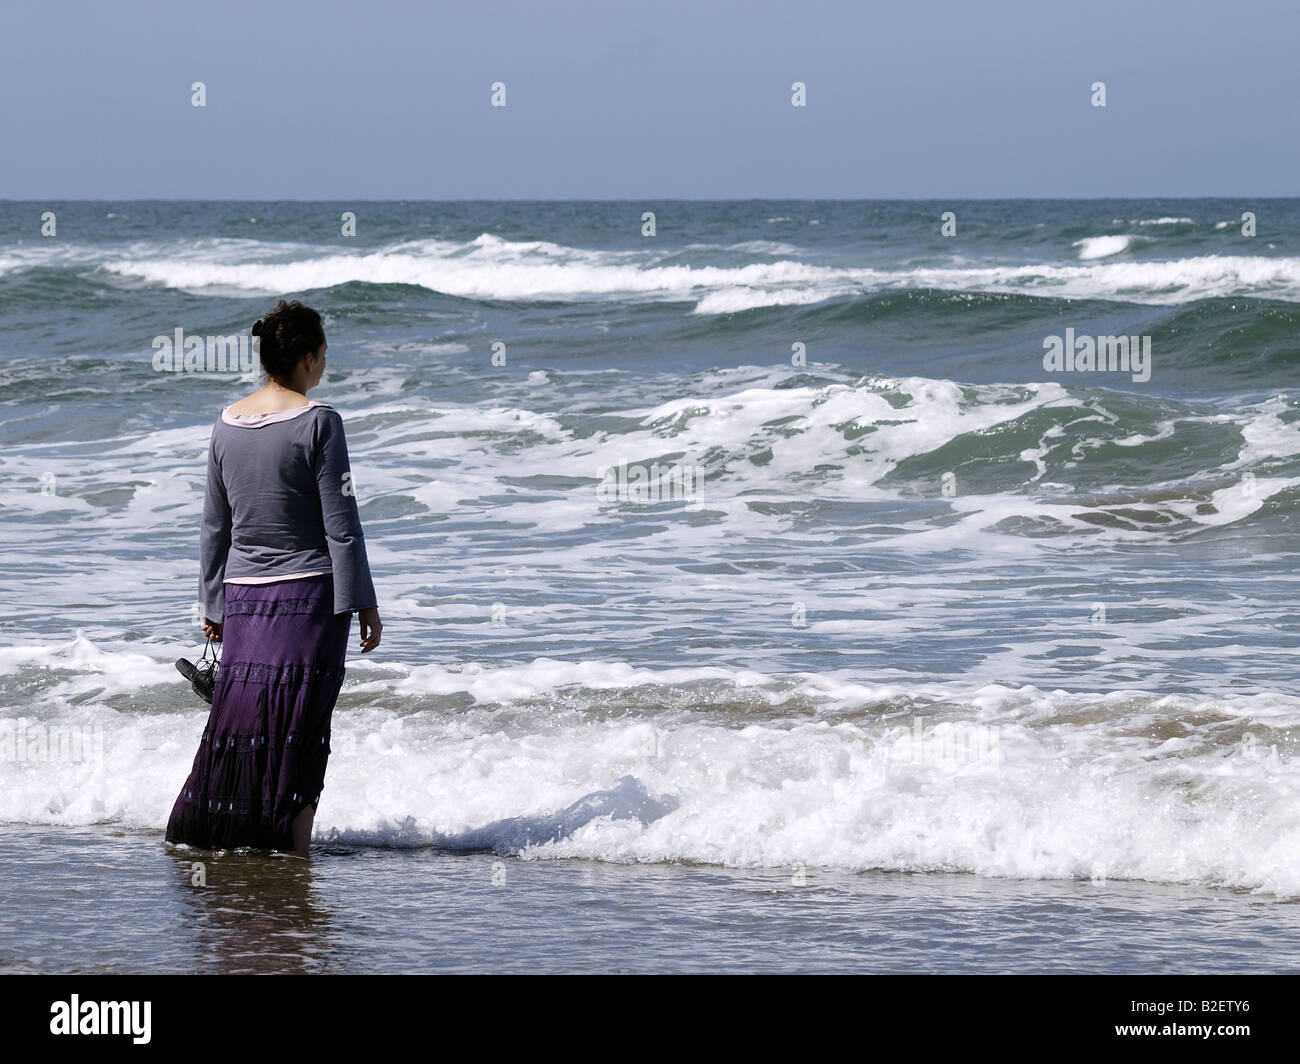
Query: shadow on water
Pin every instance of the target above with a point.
(254, 914)
(628, 799)
(250, 912)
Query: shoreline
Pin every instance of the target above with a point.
(359, 910)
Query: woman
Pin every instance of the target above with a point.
(283, 568)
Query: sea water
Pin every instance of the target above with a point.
(765, 552)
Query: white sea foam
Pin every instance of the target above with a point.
(1064, 785)
(753, 766)
(767, 247)
(1101, 247)
(50, 253)
(492, 268)
(460, 461)
(735, 299)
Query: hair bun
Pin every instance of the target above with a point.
(294, 331)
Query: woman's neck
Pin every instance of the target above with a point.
(274, 396)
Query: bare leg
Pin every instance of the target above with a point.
(302, 830)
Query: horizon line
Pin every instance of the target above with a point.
(631, 199)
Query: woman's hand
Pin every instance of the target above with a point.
(212, 629)
(371, 627)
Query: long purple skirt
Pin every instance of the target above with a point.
(262, 757)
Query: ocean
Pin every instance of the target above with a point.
(781, 579)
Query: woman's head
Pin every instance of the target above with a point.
(289, 333)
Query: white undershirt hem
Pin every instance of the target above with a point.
(275, 579)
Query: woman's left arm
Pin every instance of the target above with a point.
(353, 587)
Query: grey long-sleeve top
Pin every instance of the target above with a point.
(280, 502)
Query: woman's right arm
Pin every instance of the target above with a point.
(214, 547)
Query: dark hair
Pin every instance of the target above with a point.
(288, 331)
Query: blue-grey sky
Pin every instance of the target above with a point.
(390, 99)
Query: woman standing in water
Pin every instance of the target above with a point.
(283, 568)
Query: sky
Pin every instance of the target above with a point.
(391, 99)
